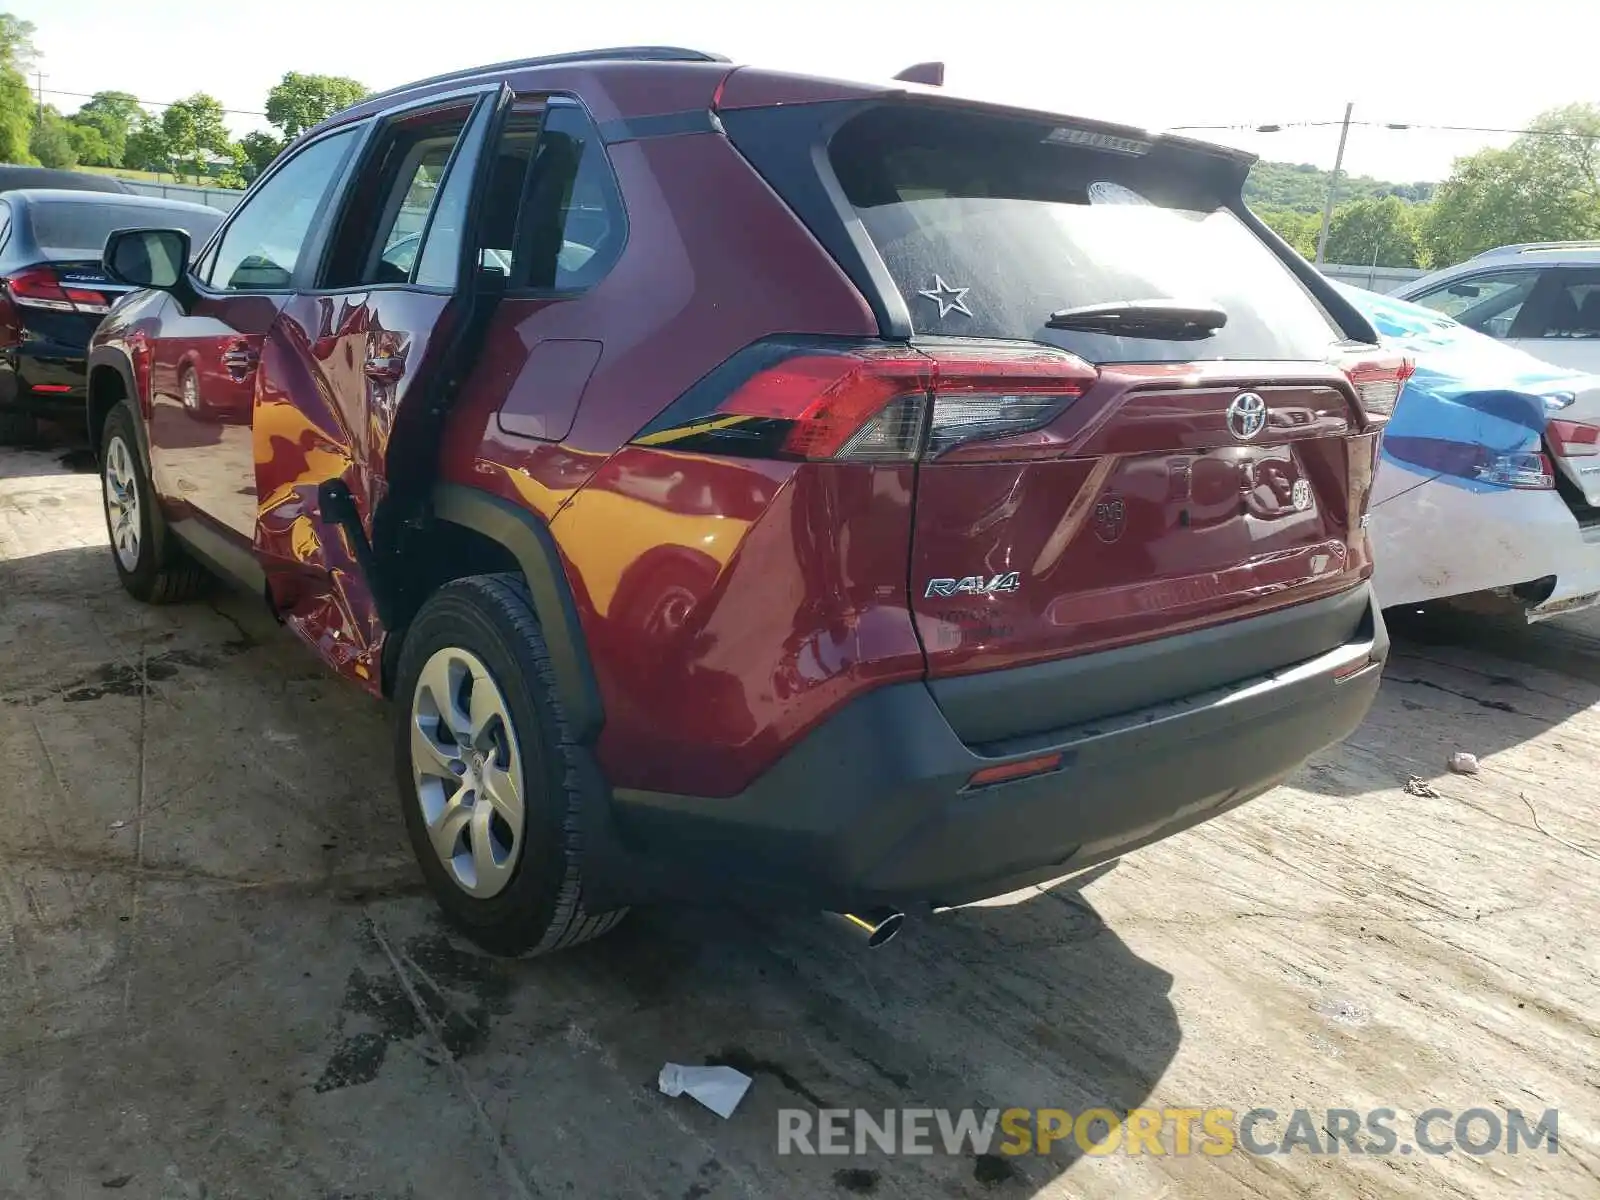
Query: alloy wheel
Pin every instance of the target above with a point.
(122, 503)
(467, 769)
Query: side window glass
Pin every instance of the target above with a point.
(503, 199)
(1488, 303)
(5, 225)
(573, 225)
(396, 251)
(441, 256)
(1575, 307)
(262, 245)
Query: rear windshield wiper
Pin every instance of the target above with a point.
(1168, 320)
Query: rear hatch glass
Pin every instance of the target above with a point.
(78, 228)
(1201, 478)
(989, 225)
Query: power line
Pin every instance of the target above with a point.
(1279, 126)
(237, 112)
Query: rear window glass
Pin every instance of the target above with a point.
(988, 225)
(75, 226)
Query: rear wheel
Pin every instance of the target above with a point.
(151, 565)
(487, 771)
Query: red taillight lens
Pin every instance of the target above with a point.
(986, 392)
(1378, 380)
(1569, 439)
(41, 287)
(863, 405)
(868, 402)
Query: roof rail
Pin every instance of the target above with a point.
(1524, 247)
(611, 54)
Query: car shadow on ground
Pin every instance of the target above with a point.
(1035, 1005)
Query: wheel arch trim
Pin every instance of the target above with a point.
(115, 359)
(530, 542)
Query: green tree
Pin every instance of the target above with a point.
(297, 102)
(1544, 187)
(1381, 231)
(147, 148)
(51, 142)
(17, 111)
(1299, 229)
(259, 149)
(196, 133)
(114, 115)
(1496, 197)
(89, 145)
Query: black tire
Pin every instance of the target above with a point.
(161, 573)
(542, 907)
(18, 428)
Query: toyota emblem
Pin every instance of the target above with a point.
(1247, 416)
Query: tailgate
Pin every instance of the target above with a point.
(1140, 512)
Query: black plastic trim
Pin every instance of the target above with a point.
(608, 54)
(117, 360)
(996, 706)
(530, 542)
(1349, 319)
(788, 147)
(635, 129)
(220, 551)
(872, 806)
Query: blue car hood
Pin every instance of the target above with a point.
(1471, 398)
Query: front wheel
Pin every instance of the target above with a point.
(152, 567)
(487, 772)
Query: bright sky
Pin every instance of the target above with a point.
(1158, 63)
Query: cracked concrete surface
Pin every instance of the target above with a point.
(219, 976)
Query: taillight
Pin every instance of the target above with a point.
(41, 287)
(1523, 470)
(1569, 439)
(868, 401)
(986, 392)
(1378, 380)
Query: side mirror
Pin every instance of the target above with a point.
(148, 258)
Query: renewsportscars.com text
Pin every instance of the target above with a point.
(1166, 1131)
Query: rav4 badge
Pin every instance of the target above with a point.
(975, 585)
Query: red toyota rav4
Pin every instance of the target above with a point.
(744, 483)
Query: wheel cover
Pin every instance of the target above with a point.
(122, 503)
(466, 766)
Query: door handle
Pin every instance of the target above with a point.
(384, 368)
(239, 360)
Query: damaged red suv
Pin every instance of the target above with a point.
(748, 484)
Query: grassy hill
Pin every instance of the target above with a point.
(1303, 188)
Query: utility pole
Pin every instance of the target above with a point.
(38, 78)
(1333, 184)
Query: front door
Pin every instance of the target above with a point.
(347, 354)
(205, 370)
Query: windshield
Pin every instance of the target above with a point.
(82, 228)
(988, 225)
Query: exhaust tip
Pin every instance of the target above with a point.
(876, 927)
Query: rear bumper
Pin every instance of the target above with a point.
(872, 807)
(61, 371)
(1435, 540)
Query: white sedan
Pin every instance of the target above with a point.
(1490, 472)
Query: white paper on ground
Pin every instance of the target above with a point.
(719, 1088)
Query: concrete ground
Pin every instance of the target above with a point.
(219, 976)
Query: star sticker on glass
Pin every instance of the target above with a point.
(949, 299)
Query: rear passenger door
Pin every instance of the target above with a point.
(353, 350)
